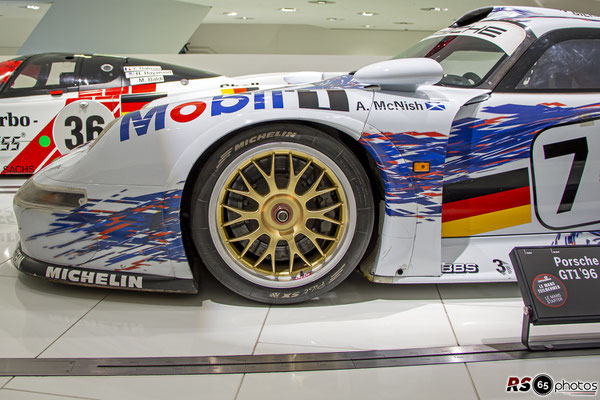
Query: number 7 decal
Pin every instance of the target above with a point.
(579, 148)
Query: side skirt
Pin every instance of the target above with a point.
(105, 279)
(485, 258)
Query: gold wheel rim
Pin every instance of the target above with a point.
(281, 214)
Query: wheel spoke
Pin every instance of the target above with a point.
(313, 236)
(316, 244)
(311, 192)
(270, 178)
(294, 178)
(326, 190)
(270, 250)
(252, 236)
(243, 215)
(320, 214)
(253, 194)
(255, 235)
(295, 251)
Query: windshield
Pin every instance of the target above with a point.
(466, 60)
(469, 54)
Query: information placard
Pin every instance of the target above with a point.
(560, 284)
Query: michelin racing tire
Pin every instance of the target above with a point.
(281, 213)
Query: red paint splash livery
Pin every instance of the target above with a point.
(34, 157)
(7, 68)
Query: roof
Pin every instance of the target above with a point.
(539, 20)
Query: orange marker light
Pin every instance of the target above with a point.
(421, 167)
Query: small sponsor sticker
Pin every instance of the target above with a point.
(137, 74)
(142, 68)
(95, 277)
(435, 106)
(147, 79)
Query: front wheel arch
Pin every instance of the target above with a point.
(355, 147)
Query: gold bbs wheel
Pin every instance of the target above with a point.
(281, 218)
(281, 213)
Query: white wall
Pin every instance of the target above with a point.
(299, 39)
(115, 26)
(13, 32)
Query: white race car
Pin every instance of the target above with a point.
(428, 168)
(52, 103)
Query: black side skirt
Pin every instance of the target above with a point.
(101, 278)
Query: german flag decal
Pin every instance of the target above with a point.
(486, 204)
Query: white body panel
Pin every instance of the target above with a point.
(37, 128)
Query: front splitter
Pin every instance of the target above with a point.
(98, 278)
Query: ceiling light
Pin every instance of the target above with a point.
(367, 13)
(321, 2)
(245, 18)
(32, 7)
(287, 9)
(403, 23)
(368, 26)
(230, 13)
(436, 9)
(335, 19)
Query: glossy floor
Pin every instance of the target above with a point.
(43, 319)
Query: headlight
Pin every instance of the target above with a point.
(106, 129)
(32, 195)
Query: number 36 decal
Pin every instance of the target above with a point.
(566, 175)
(78, 123)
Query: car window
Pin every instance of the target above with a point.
(6, 70)
(98, 70)
(41, 73)
(571, 64)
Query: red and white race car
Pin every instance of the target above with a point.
(52, 103)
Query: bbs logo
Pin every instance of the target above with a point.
(460, 268)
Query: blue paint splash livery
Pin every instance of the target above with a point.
(477, 144)
(146, 232)
(576, 238)
(339, 82)
(395, 154)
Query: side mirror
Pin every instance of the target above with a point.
(404, 74)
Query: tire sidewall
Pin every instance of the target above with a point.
(237, 146)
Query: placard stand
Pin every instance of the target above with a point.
(557, 292)
(558, 344)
